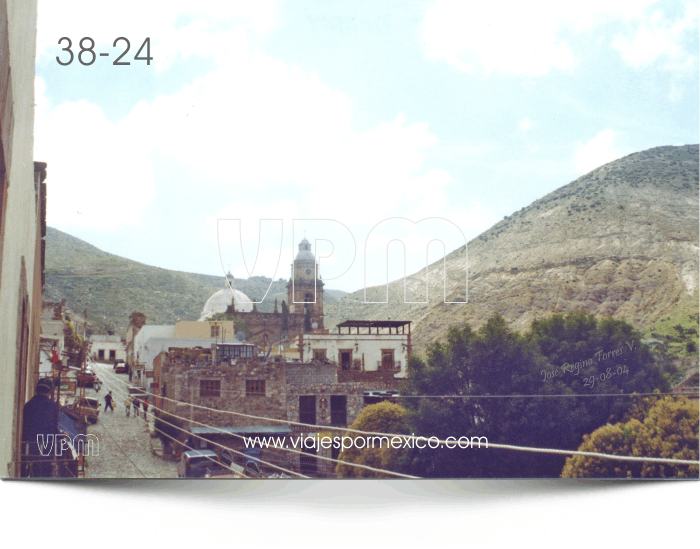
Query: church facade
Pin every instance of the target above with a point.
(301, 313)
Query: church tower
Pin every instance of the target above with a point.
(305, 283)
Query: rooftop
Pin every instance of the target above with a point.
(373, 323)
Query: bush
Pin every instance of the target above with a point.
(384, 417)
(666, 428)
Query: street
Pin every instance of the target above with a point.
(124, 442)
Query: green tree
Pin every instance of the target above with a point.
(487, 371)
(661, 427)
(495, 363)
(590, 347)
(384, 417)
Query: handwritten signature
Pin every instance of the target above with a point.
(577, 366)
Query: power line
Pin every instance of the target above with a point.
(122, 450)
(539, 396)
(441, 442)
(190, 448)
(323, 458)
(202, 438)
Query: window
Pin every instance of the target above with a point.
(339, 407)
(345, 358)
(112, 354)
(209, 388)
(214, 331)
(255, 387)
(235, 351)
(387, 359)
(319, 354)
(309, 298)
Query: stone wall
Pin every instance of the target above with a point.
(372, 381)
(311, 374)
(184, 382)
(353, 391)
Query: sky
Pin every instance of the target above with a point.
(343, 116)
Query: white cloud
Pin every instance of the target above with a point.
(524, 124)
(659, 38)
(675, 92)
(598, 151)
(515, 38)
(99, 177)
(536, 37)
(255, 122)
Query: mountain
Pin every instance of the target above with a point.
(112, 287)
(622, 240)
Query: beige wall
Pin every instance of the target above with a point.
(18, 264)
(202, 329)
(107, 346)
(366, 347)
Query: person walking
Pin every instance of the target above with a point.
(145, 409)
(137, 405)
(127, 405)
(108, 401)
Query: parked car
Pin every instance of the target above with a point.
(86, 378)
(87, 407)
(120, 367)
(249, 460)
(198, 464)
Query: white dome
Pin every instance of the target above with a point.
(221, 300)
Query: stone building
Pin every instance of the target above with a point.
(309, 394)
(304, 303)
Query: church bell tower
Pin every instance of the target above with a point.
(305, 288)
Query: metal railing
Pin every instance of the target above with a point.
(396, 365)
(46, 467)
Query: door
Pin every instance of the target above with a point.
(345, 359)
(339, 407)
(307, 409)
(308, 462)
